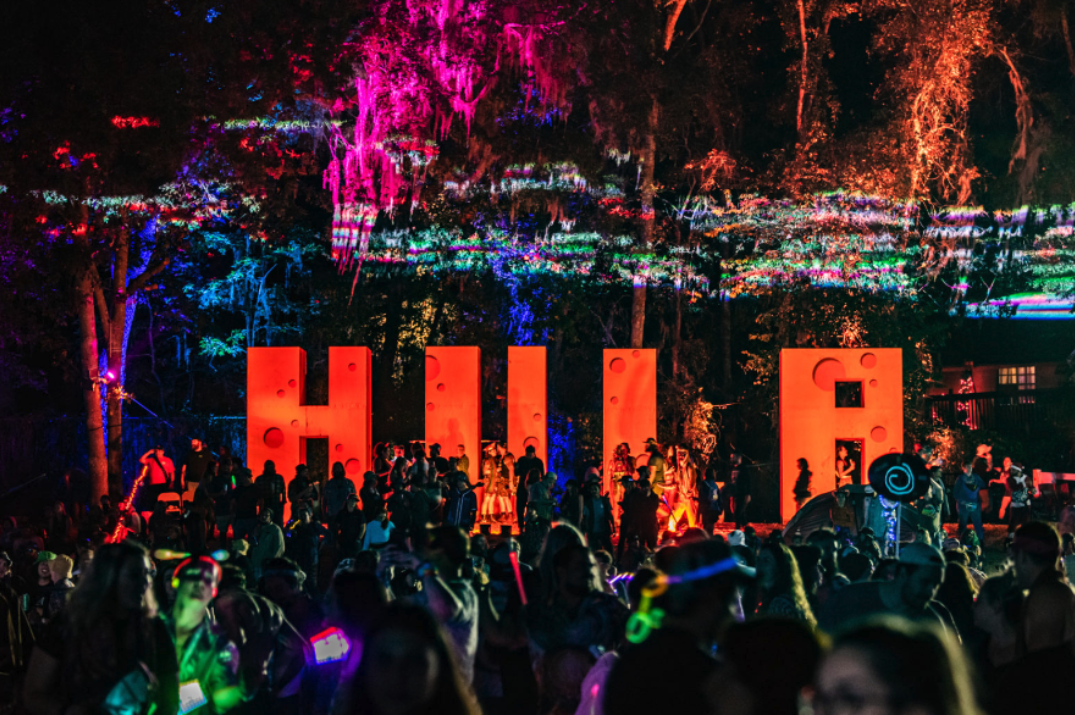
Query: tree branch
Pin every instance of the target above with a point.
(700, 21)
(103, 314)
(670, 26)
(1065, 30)
(140, 282)
(1024, 113)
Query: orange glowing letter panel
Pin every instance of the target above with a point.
(526, 401)
(839, 410)
(278, 422)
(630, 402)
(453, 403)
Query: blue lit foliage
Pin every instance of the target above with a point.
(561, 447)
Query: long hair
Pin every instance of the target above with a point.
(559, 537)
(919, 664)
(957, 593)
(789, 581)
(95, 597)
(451, 695)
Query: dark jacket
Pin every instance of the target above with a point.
(597, 516)
(640, 512)
(461, 509)
(349, 528)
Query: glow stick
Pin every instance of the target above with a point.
(514, 558)
(169, 555)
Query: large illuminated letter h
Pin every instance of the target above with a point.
(278, 421)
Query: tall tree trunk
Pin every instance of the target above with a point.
(804, 73)
(649, 220)
(91, 387)
(638, 312)
(1066, 31)
(726, 343)
(384, 390)
(725, 325)
(677, 331)
(117, 325)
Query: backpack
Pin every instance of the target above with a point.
(711, 502)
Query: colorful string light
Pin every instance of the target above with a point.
(124, 506)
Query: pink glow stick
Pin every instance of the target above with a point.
(514, 557)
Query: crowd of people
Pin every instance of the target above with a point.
(644, 589)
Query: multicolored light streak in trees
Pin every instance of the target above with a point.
(1026, 306)
(838, 240)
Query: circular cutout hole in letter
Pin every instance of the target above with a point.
(827, 373)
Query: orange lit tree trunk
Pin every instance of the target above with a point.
(1065, 29)
(804, 73)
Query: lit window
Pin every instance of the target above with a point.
(1021, 378)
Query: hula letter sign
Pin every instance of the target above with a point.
(839, 410)
(278, 420)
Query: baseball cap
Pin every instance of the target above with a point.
(43, 556)
(737, 538)
(922, 555)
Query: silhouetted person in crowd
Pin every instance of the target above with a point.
(668, 670)
(407, 666)
(349, 527)
(273, 491)
(895, 666)
(461, 504)
(194, 465)
(1048, 616)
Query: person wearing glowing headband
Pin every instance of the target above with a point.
(208, 661)
(673, 632)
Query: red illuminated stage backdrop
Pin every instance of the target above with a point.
(278, 422)
(630, 402)
(527, 419)
(833, 399)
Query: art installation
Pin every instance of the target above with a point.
(527, 415)
(630, 403)
(840, 409)
(453, 403)
(279, 421)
